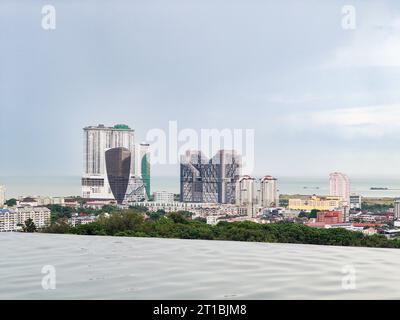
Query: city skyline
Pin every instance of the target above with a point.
(208, 152)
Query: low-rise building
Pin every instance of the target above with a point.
(344, 225)
(313, 202)
(391, 233)
(40, 215)
(77, 220)
(38, 201)
(370, 231)
(163, 197)
(71, 202)
(213, 220)
(28, 201)
(96, 203)
(330, 217)
(198, 209)
(347, 226)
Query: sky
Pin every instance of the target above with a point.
(319, 97)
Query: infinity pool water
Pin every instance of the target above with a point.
(97, 267)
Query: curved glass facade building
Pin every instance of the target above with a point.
(145, 167)
(118, 165)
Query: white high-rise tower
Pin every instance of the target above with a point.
(339, 186)
(97, 140)
(246, 194)
(269, 196)
(2, 196)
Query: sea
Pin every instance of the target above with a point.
(50, 266)
(70, 185)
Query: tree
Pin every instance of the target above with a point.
(155, 215)
(59, 226)
(177, 225)
(313, 213)
(11, 202)
(283, 202)
(139, 208)
(81, 201)
(109, 208)
(177, 217)
(59, 211)
(29, 226)
(302, 214)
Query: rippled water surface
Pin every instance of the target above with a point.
(91, 267)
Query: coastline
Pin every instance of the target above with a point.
(70, 185)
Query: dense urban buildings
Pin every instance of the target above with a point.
(96, 178)
(117, 173)
(198, 209)
(339, 186)
(209, 180)
(12, 219)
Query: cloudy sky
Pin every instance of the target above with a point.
(319, 97)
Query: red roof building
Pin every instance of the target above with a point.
(330, 217)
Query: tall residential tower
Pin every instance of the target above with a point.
(114, 167)
(339, 186)
(2, 196)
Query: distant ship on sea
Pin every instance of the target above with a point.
(379, 188)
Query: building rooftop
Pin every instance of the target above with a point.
(121, 126)
(103, 127)
(29, 199)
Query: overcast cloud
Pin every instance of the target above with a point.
(319, 98)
